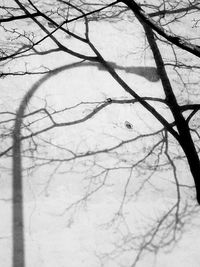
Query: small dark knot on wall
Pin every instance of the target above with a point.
(128, 125)
(109, 100)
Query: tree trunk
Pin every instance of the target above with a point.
(188, 147)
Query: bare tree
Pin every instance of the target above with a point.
(35, 29)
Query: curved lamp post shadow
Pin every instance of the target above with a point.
(18, 259)
(17, 183)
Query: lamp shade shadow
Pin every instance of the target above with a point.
(149, 73)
